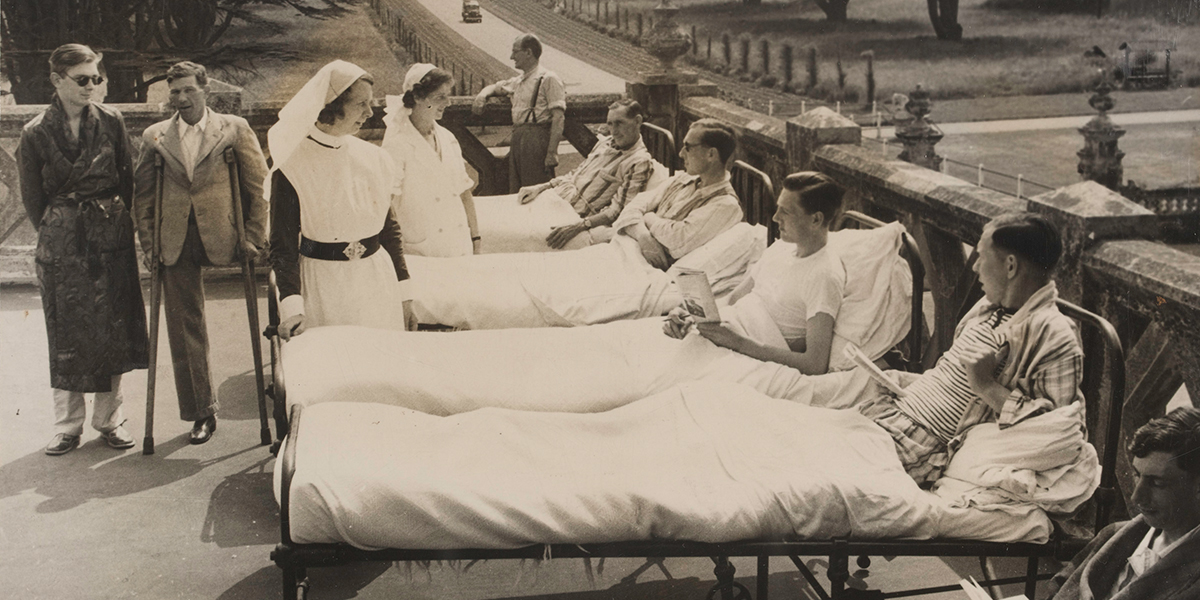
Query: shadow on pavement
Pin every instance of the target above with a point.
(239, 395)
(73, 479)
(341, 583)
(242, 510)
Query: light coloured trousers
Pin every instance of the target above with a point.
(70, 409)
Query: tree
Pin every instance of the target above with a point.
(137, 37)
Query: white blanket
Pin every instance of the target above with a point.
(506, 225)
(596, 284)
(567, 369)
(703, 463)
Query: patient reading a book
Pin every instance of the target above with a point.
(798, 281)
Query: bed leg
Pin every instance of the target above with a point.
(839, 572)
(1031, 572)
(290, 588)
(728, 588)
(764, 572)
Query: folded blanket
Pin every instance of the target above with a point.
(1045, 460)
(709, 463)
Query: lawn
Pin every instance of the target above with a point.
(1004, 51)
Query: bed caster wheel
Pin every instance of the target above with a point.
(732, 591)
(864, 562)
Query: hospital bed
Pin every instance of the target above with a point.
(507, 226)
(310, 437)
(585, 286)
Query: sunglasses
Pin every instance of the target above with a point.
(82, 80)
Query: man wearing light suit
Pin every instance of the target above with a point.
(198, 226)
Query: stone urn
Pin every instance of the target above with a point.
(666, 41)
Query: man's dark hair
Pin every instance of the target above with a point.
(429, 84)
(531, 43)
(632, 108)
(69, 55)
(337, 108)
(188, 68)
(1177, 434)
(1030, 236)
(818, 193)
(716, 134)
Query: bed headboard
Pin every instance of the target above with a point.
(661, 144)
(757, 195)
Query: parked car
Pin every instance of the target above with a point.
(470, 12)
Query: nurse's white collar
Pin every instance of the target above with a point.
(324, 139)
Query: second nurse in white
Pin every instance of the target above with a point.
(432, 197)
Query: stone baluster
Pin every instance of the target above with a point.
(1100, 158)
(920, 134)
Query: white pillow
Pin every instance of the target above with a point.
(877, 307)
(727, 257)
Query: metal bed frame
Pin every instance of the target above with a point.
(295, 559)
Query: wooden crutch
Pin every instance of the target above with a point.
(235, 190)
(155, 303)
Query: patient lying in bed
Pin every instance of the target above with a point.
(595, 368)
(692, 220)
(701, 462)
(575, 210)
(799, 283)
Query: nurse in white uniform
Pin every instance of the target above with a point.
(433, 201)
(335, 242)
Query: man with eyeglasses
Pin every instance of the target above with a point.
(198, 226)
(691, 208)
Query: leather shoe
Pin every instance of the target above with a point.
(118, 438)
(203, 430)
(62, 444)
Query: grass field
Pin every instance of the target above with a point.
(1004, 52)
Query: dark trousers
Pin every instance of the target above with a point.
(183, 296)
(527, 156)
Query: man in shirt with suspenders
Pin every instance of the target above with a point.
(539, 104)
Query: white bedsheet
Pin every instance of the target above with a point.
(709, 463)
(596, 284)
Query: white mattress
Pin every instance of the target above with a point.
(709, 463)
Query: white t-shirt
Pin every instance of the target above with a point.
(794, 289)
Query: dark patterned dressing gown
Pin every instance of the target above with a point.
(78, 192)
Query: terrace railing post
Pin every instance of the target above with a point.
(920, 135)
(818, 127)
(1100, 158)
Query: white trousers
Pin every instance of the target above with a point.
(70, 410)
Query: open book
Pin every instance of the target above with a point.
(697, 295)
(863, 361)
(976, 592)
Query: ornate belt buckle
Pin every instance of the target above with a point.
(354, 250)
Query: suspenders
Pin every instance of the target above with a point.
(533, 102)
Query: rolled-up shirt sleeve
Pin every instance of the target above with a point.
(556, 92)
(700, 226)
